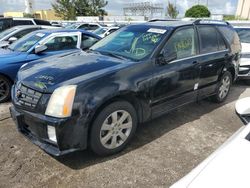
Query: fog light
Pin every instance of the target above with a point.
(51, 133)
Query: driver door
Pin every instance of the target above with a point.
(176, 82)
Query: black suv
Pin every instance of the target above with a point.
(96, 98)
(6, 23)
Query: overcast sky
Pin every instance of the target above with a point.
(115, 6)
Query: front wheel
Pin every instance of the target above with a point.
(5, 87)
(223, 88)
(113, 128)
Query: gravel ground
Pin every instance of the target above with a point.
(162, 152)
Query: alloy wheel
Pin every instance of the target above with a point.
(224, 88)
(116, 129)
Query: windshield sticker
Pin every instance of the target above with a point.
(155, 30)
(40, 34)
(154, 38)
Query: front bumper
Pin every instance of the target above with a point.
(71, 136)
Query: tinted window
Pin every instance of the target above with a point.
(20, 34)
(87, 41)
(244, 35)
(62, 43)
(41, 22)
(183, 42)
(93, 27)
(84, 26)
(231, 37)
(208, 39)
(5, 24)
(23, 22)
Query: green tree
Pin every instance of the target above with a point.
(172, 11)
(198, 11)
(65, 9)
(69, 9)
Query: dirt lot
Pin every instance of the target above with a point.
(162, 152)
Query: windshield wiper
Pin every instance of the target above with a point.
(113, 55)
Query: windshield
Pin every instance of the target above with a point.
(133, 42)
(7, 32)
(27, 42)
(100, 31)
(244, 35)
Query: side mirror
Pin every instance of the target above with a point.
(165, 57)
(242, 108)
(12, 39)
(40, 48)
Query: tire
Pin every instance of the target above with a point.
(107, 136)
(223, 88)
(5, 89)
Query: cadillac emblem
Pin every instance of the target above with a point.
(18, 93)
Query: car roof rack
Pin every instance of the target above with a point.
(210, 21)
(163, 20)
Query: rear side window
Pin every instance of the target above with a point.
(231, 37)
(23, 22)
(210, 40)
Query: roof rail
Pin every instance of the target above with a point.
(159, 20)
(210, 21)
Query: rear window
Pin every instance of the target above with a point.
(41, 22)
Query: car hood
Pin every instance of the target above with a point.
(72, 68)
(6, 53)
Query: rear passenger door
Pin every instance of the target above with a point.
(212, 59)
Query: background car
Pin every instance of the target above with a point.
(105, 31)
(229, 165)
(6, 23)
(36, 45)
(244, 70)
(12, 34)
(86, 26)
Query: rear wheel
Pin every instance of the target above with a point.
(5, 87)
(223, 88)
(113, 128)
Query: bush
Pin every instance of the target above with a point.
(198, 11)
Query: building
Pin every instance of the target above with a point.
(40, 14)
(243, 9)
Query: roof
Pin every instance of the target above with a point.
(169, 23)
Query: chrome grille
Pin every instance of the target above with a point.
(27, 96)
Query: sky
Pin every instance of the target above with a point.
(115, 7)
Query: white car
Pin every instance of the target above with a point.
(105, 31)
(244, 70)
(14, 33)
(86, 26)
(228, 167)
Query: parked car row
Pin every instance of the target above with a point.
(96, 98)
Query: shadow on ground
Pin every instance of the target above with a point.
(154, 129)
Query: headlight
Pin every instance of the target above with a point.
(61, 102)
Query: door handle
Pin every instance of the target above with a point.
(195, 62)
